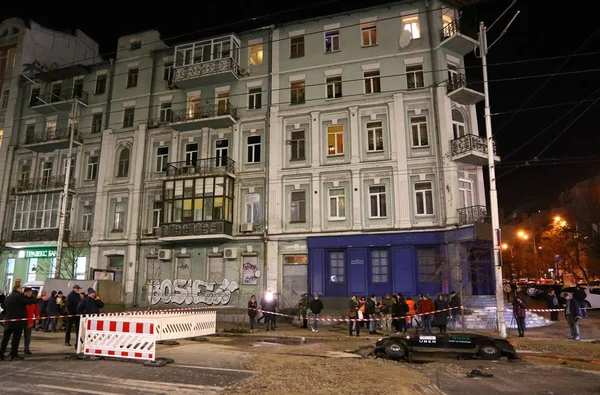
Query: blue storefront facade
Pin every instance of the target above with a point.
(413, 263)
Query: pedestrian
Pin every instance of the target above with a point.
(400, 312)
(455, 305)
(51, 313)
(441, 317)
(91, 304)
(15, 308)
(73, 300)
(33, 314)
(267, 304)
(412, 310)
(552, 303)
(353, 308)
(572, 314)
(387, 309)
(520, 306)
(426, 306)
(303, 304)
(252, 312)
(361, 311)
(315, 306)
(43, 297)
(370, 308)
(581, 297)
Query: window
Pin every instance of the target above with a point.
(332, 41)
(256, 55)
(38, 211)
(298, 144)
(223, 103)
(379, 266)
(56, 93)
(46, 172)
(254, 98)
(193, 107)
(377, 200)
(253, 149)
(165, 112)
(297, 47)
(32, 269)
(25, 171)
(97, 122)
(414, 77)
(135, 44)
(298, 206)
(198, 200)
(369, 34)
(132, 77)
(100, 84)
(424, 198)
(452, 74)
(92, 168)
(419, 131)
(465, 187)
(29, 133)
(87, 218)
(156, 214)
(168, 71)
(119, 218)
(372, 84)
(458, 124)
(337, 204)
(216, 268)
(162, 158)
(252, 208)
(78, 88)
(295, 259)
(5, 96)
(123, 169)
(411, 24)
(35, 97)
(337, 267)
(297, 93)
(70, 165)
(11, 58)
(335, 140)
(128, 115)
(334, 87)
(427, 258)
(191, 154)
(80, 267)
(222, 152)
(374, 136)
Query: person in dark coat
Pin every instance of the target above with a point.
(73, 300)
(455, 304)
(552, 303)
(400, 310)
(520, 306)
(370, 308)
(572, 314)
(91, 304)
(252, 306)
(580, 296)
(441, 317)
(315, 306)
(15, 309)
(51, 312)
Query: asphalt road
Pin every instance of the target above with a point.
(111, 377)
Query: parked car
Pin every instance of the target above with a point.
(592, 296)
(478, 346)
(539, 291)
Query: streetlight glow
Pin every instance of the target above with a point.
(557, 219)
(504, 246)
(521, 233)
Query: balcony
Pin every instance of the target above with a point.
(472, 150)
(51, 139)
(36, 235)
(453, 37)
(10, 39)
(217, 229)
(216, 116)
(55, 100)
(459, 91)
(202, 167)
(42, 184)
(473, 215)
(209, 62)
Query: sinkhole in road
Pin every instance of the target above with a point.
(287, 341)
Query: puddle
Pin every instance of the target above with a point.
(275, 341)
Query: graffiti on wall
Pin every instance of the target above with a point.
(250, 272)
(192, 292)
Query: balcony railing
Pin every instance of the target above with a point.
(47, 98)
(457, 81)
(50, 135)
(473, 214)
(197, 228)
(469, 143)
(204, 112)
(36, 235)
(453, 28)
(41, 184)
(202, 69)
(201, 167)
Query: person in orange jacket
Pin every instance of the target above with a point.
(33, 314)
(411, 311)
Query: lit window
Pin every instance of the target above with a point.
(332, 41)
(335, 140)
(369, 34)
(256, 55)
(411, 24)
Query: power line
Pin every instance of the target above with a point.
(545, 107)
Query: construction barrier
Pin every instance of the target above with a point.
(119, 338)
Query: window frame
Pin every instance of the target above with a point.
(253, 149)
(332, 34)
(297, 91)
(162, 159)
(415, 76)
(368, 28)
(255, 98)
(380, 278)
(412, 23)
(300, 205)
(372, 82)
(91, 170)
(421, 195)
(419, 129)
(101, 80)
(256, 49)
(333, 87)
(128, 112)
(298, 146)
(337, 132)
(340, 204)
(124, 164)
(338, 270)
(381, 199)
(372, 138)
(299, 47)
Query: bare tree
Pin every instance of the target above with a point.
(74, 248)
(153, 274)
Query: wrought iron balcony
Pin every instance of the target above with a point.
(459, 90)
(217, 71)
(201, 167)
(51, 139)
(473, 214)
(54, 100)
(456, 38)
(471, 149)
(36, 235)
(41, 184)
(202, 228)
(215, 116)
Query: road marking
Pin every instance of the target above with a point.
(209, 368)
(70, 389)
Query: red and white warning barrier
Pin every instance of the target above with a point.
(119, 338)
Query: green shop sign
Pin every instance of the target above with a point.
(40, 253)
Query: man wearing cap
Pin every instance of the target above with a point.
(73, 300)
(91, 304)
(15, 310)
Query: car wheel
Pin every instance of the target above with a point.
(395, 350)
(488, 351)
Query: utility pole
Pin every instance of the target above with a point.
(65, 192)
(483, 49)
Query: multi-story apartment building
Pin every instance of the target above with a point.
(335, 156)
(41, 72)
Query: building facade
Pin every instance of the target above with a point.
(336, 155)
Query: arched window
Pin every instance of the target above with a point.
(458, 124)
(123, 168)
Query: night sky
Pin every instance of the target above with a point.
(538, 32)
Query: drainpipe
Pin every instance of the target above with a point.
(267, 156)
(110, 93)
(143, 188)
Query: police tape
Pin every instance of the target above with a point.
(538, 310)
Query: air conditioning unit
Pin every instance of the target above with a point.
(148, 231)
(246, 227)
(230, 253)
(153, 123)
(245, 72)
(164, 255)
